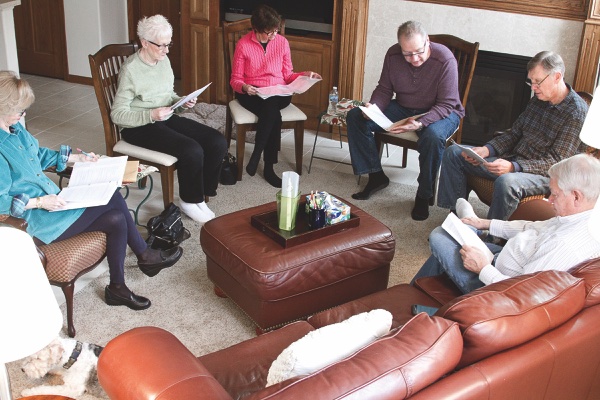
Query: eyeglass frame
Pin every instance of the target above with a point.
(273, 32)
(21, 113)
(161, 46)
(529, 83)
(417, 53)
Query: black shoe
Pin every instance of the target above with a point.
(167, 259)
(132, 301)
(370, 190)
(420, 211)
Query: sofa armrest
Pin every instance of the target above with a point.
(150, 363)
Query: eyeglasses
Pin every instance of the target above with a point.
(273, 32)
(417, 53)
(538, 84)
(21, 113)
(161, 46)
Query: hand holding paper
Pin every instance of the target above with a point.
(380, 119)
(189, 97)
(470, 152)
(465, 235)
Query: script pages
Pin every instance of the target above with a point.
(300, 85)
(465, 235)
(190, 96)
(380, 119)
(93, 183)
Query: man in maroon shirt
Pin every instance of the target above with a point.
(423, 76)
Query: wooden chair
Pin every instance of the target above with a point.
(484, 188)
(244, 120)
(65, 261)
(105, 66)
(466, 56)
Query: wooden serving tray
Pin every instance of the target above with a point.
(269, 225)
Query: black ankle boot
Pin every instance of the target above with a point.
(253, 163)
(271, 176)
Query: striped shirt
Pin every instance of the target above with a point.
(559, 244)
(543, 134)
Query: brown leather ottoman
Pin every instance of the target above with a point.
(276, 285)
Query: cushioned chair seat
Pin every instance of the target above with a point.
(242, 116)
(140, 152)
(68, 258)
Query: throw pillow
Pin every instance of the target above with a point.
(329, 344)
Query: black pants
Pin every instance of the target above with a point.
(115, 220)
(268, 130)
(199, 150)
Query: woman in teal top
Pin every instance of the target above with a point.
(26, 192)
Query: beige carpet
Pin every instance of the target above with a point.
(182, 297)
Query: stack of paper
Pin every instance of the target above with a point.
(380, 119)
(94, 183)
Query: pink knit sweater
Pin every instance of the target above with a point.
(254, 66)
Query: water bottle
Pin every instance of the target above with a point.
(333, 100)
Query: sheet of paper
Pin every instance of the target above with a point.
(464, 235)
(190, 96)
(106, 169)
(93, 183)
(79, 196)
(469, 152)
(380, 119)
(300, 85)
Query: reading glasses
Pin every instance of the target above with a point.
(161, 46)
(538, 84)
(417, 53)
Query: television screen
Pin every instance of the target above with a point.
(311, 15)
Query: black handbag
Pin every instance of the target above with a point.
(166, 230)
(229, 170)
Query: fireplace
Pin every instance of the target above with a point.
(498, 95)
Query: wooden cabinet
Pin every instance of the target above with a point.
(586, 77)
(202, 54)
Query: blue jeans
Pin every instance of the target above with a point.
(445, 257)
(509, 188)
(430, 145)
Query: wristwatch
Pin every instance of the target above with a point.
(421, 127)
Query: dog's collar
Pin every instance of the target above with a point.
(74, 355)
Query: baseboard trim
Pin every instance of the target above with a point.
(84, 80)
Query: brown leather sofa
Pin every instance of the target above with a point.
(531, 337)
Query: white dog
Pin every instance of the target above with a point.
(74, 361)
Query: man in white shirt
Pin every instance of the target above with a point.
(559, 243)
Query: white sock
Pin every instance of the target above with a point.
(205, 208)
(464, 209)
(194, 212)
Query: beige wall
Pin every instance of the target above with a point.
(495, 31)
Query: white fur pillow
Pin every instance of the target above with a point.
(329, 344)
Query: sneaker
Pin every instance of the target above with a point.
(194, 212)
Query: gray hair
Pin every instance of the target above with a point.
(15, 93)
(153, 28)
(550, 62)
(580, 172)
(410, 28)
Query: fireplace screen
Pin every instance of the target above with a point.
(498, 95)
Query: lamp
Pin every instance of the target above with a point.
(30, 315)
(590, 135)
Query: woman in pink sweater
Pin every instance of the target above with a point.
(262, 58)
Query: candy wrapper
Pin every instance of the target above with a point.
(335, 210)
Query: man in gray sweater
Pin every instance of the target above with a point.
(423, 77)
